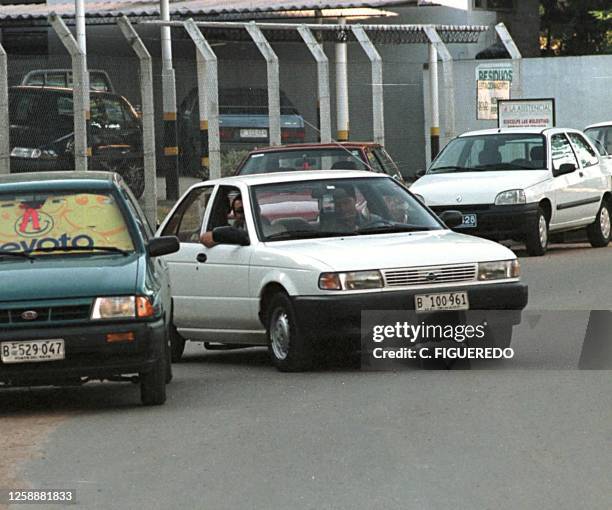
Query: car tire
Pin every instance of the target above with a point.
(290, 349)
(177, 344)
(598, 232)
(153, 382)
(536, 239)
(168, 357)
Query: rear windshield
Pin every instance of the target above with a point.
(309, 159)
(33, 108)
(492, 153)
(31, 221)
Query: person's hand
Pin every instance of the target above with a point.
(207, 239)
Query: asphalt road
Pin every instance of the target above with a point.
(530, 433)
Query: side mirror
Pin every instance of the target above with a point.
(451, 219)
(159, 246)
(230, 235)
(565, 168)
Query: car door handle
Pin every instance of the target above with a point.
(202, 257)
(580, 174)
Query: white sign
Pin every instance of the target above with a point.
(537, 113)
(494, 72)
(489, 93)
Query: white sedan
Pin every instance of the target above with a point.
(315, 250)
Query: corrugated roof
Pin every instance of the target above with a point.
(186, 8)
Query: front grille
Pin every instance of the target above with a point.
(464, 208)
(429, 275)
(45, 314)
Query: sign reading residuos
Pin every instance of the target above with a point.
(522, 113)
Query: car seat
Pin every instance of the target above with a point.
(537, 156)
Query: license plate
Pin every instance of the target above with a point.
(469, 221)
(443, 301)
(32, 351)
(254, 133)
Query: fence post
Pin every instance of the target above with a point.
(148, 118)
(273, 80)
(80, 91)
(378, 107)
(448, 81)
(517, 59)
(208, 95)
(342, 98)
(5, 150)
(316, 49)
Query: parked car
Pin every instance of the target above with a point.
(522, 184)
(301, 272)
(42, 133)
(317, 156)
(601, 136)
(243, 122)
(98, 80)
(85, 293)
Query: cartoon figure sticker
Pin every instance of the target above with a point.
(61, 220)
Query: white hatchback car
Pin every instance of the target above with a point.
(522, 184)
(317, 248)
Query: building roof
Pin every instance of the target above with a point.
(217, 9)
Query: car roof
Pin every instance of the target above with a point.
(58, 90)
(599, 124)
(314, 146)
(71, 180)
(523, 131)
(293, 176)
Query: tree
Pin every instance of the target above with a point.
(575, 27)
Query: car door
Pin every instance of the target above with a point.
(185, 222)
(568, 189)
(592, 173)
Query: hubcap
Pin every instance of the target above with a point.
(280, 333)
(543, 232)
(604, 222)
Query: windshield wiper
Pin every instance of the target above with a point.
(304, 234)
(50, 249)
(449, 169)
(380, 229)
(20, 254)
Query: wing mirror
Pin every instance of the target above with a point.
(451, 219)
(165, 245)
(230, 235)
(565, 168)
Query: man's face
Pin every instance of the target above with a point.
(346, 211)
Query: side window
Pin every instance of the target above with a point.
(374, 163)
(220, 213)
(386, 161)
(189, 216)
(561, 152)
(114, 113)
(137, 212)
(585, 152)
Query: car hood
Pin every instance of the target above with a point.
(473, 187)
(37, 137)
(61, 277)
(384, 251)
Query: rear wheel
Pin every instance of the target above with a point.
(536, 239)
(177, 344)
(290, 350)
(599, 231)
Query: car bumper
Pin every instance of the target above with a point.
(497, 222)
(340, 315)
(88, 354)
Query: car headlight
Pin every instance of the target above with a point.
(356, 280)
(499, 270)
(510, 197)
(25, 152)
(122, 307)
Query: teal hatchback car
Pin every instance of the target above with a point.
(85, 294)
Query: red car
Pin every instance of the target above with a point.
(320, 156)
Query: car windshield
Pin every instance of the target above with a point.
(31, 108)
(337, 207)
(494, 152)
(56, 223)
(303, 159)
(602, 136)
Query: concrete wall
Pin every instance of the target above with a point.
(580, 86)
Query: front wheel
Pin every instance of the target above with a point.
(536, 239)
(153, 383)
(598, 232)
(290, 350)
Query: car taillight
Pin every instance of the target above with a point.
(293, 134)
(226, 133)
